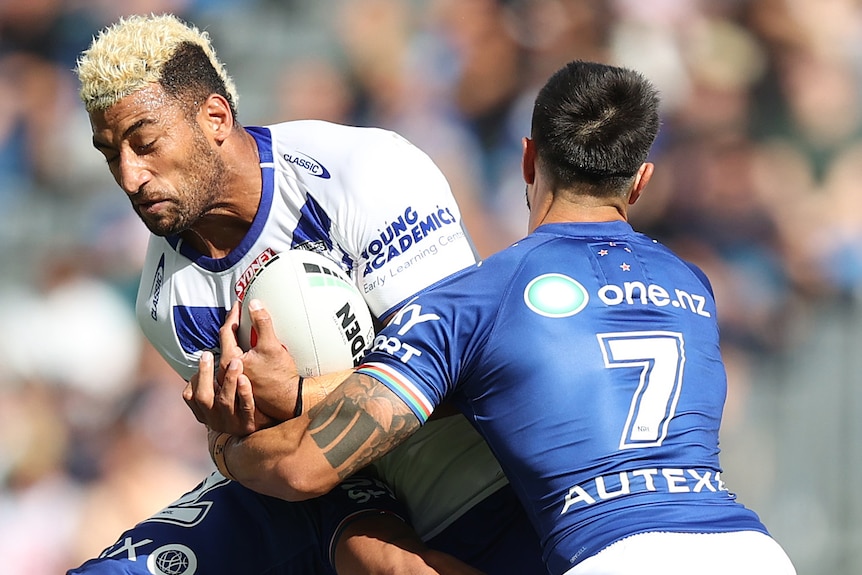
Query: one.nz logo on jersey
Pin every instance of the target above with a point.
(555, 295)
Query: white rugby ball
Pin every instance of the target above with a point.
(317, 312)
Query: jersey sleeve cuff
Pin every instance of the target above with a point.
(401, 386)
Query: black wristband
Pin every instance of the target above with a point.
(297, 411)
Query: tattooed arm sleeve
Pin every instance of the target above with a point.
(360, 421)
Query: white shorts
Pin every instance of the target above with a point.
(660, 553)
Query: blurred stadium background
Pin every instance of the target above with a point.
(758, 177)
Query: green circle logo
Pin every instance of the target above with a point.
(555, 295)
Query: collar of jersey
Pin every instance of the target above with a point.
(263, 137)
(593, 229)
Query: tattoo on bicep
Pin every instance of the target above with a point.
(361, 425)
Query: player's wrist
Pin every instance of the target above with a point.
(314, 390)
(218, 452)
(319, 386)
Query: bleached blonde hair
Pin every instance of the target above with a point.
(132, 53)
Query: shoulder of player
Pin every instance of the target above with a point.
(330, 135)
(508, 261)
(377, 160)
(481, 283)
(535, 255)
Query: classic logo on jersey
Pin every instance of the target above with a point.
(156, 290)
(307, 163)
(409, 230)
(252, 270)
(555, 295)
(172, 559)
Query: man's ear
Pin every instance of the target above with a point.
(641, 180)
(528, 160)
(216, 117)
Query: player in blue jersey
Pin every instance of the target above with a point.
(220, 199)
(586, 354)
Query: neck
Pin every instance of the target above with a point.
(228, 219)
(218, 245)
(561, 212)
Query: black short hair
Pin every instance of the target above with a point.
(594, 124)
(190, 77)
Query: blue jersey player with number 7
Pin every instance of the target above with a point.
(586, 354)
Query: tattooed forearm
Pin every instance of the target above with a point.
(356, 443)
(360, 425)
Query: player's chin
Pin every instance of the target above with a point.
(161, 219)
(161, 226)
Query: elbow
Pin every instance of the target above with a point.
(276, 462)
(292, 482)
(306, 484)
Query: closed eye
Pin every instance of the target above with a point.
(142, 149)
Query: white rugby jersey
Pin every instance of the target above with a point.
(378, 207)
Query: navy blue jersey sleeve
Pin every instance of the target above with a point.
(222, 527)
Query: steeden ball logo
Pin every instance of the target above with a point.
(555, 295)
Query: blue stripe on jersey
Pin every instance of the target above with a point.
(314, 231)
(314, 226)
(197, 327)
(263, 137)
(264, 146)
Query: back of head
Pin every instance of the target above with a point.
(140, 50)
(594, 124)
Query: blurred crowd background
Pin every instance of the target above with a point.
(759, 168)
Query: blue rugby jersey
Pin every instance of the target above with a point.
(588, 357)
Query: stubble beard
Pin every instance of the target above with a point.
(195, 195)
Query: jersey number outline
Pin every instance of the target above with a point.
(660, 356)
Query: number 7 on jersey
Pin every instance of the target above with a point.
(660, 356)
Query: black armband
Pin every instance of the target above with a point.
(297, 411)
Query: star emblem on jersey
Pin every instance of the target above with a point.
(555, 295)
